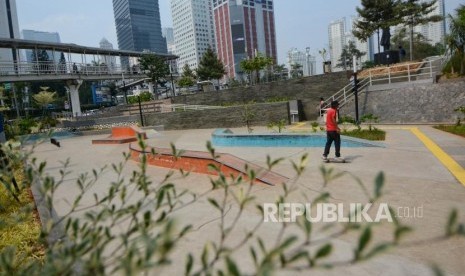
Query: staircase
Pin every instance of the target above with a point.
(388, 78)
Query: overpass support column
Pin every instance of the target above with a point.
(73, 87)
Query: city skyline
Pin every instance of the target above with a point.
(300, 25)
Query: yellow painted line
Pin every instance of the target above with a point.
(443, 157)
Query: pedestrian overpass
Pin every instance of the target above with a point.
(81, 63)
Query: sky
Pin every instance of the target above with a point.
(299, 23)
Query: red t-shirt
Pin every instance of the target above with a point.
(331, 120)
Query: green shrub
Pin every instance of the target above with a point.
(279, 125)
(455, 129)
(144, 97)
(373, 134)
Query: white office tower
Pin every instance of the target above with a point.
(336, 35)
(53, 37)
(363, 46)
(304, 59)
(110, 61)
(193, 29)
(340, 34)
(434, 32)
(9, 27)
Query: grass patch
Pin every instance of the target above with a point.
(455, 129)
(20, 225)
(374, 134)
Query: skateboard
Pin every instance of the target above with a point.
(333, 160)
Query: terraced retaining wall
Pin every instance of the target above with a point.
(426, 103)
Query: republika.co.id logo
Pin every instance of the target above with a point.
(326, 212)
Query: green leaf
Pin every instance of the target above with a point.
(298, 256)
(379, 183)
(204, 257)
(160, 196)
(254, 256)
(400, 230)
(364, 239)
(189, 264)
(287, 242)
(377, 249)
(451, 223)
(214, 203)
(324, 251)
(232, 267)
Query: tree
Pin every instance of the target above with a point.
(187, 77)
(423, 47)
(210, 67)
(296, 70)
(254, 65)
(348, 52)
(456, 39)
(279, 70)
(62, 63)
(2, 99)
(44, 98)
(376, 15)
(42, 62)
(417, 12)
(155, 67)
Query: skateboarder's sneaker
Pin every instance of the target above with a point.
(339, 159)
(324, 158)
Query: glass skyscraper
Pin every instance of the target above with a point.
(138, 25)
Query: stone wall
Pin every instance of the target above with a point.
(219, 118)
(427, 103)
(308, 89)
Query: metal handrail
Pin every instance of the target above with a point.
(50, 67)
(411, 72)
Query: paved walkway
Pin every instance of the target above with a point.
(415, 178)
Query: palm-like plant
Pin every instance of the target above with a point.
(44, 98)
(259, 62)
(456, 38)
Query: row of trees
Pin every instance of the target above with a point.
(210, 68)
(377, 15)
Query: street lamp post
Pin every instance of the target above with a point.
(355, 89)
(172, 82)
(308, 59)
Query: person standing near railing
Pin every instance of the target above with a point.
(321, 106)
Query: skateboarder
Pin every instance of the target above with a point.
(332, 133)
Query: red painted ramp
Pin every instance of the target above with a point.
(198, 161)
(121, 135)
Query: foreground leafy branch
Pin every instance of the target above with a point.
(131, 227)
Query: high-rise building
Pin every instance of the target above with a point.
(340, 34)
(193, 30)
(337, 40)
(9, 27)
(168, 34)
(434, 32)
(243, 28)
(305, 60)
(44, 37)
(108, 60)
(138, 25)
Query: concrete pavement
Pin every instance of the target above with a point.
(415, 178)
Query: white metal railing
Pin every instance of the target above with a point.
(48, 68)
(344, 95)
(185, 107)
(386, 75)
(405, 72)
